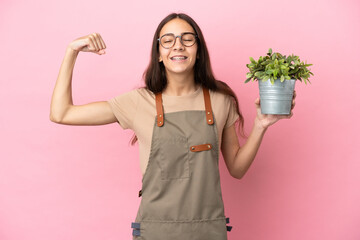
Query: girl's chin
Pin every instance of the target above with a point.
(178, 71)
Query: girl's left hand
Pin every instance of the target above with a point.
(267, 120)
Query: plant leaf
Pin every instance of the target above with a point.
(275, 66)
(247, 80)
(275, 72)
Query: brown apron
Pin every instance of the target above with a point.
(181, 193)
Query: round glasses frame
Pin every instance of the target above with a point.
(178, 36)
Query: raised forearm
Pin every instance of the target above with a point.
(246, 154)
(62, 94)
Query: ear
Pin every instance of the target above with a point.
(160, 59)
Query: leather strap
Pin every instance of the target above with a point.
(208, 111)
(202, 147)
(159, 109)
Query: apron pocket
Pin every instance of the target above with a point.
(174, 158)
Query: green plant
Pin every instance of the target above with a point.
(274, 66)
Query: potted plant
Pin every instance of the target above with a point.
(276, 75)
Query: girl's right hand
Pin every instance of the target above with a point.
(89, 43)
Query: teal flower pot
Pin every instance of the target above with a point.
(276, 98)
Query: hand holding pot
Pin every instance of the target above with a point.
(266, 120)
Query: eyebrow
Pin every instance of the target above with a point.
(174, 33)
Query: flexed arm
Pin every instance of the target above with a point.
(62, 109)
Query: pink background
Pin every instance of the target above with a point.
(81, 182)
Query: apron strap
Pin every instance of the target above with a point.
(209, 113)
(159, 109)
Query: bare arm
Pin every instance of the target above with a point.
(62, 109)
(238, 159)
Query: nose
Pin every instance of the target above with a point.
(178, 44)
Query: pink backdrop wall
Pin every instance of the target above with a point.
(81, 182)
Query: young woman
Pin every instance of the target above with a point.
(182, 118)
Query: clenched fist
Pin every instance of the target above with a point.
(89, 43)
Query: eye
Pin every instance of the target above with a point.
(188, 38)
(167, 39)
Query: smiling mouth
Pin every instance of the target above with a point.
(178, 58)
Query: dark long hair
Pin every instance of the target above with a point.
(155, 74)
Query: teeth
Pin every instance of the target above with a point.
(178, 58)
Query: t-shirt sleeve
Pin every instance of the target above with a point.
(124, 107)
(232, 114)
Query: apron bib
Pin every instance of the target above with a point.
(181, 193)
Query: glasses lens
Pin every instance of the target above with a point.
(188, 39)
(167, 41)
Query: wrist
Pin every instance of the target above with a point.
(259, 125)
(71, 51)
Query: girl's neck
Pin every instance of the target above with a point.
(179, 85)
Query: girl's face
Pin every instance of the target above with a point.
(178, 59)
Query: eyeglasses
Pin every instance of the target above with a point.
(168, 40)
